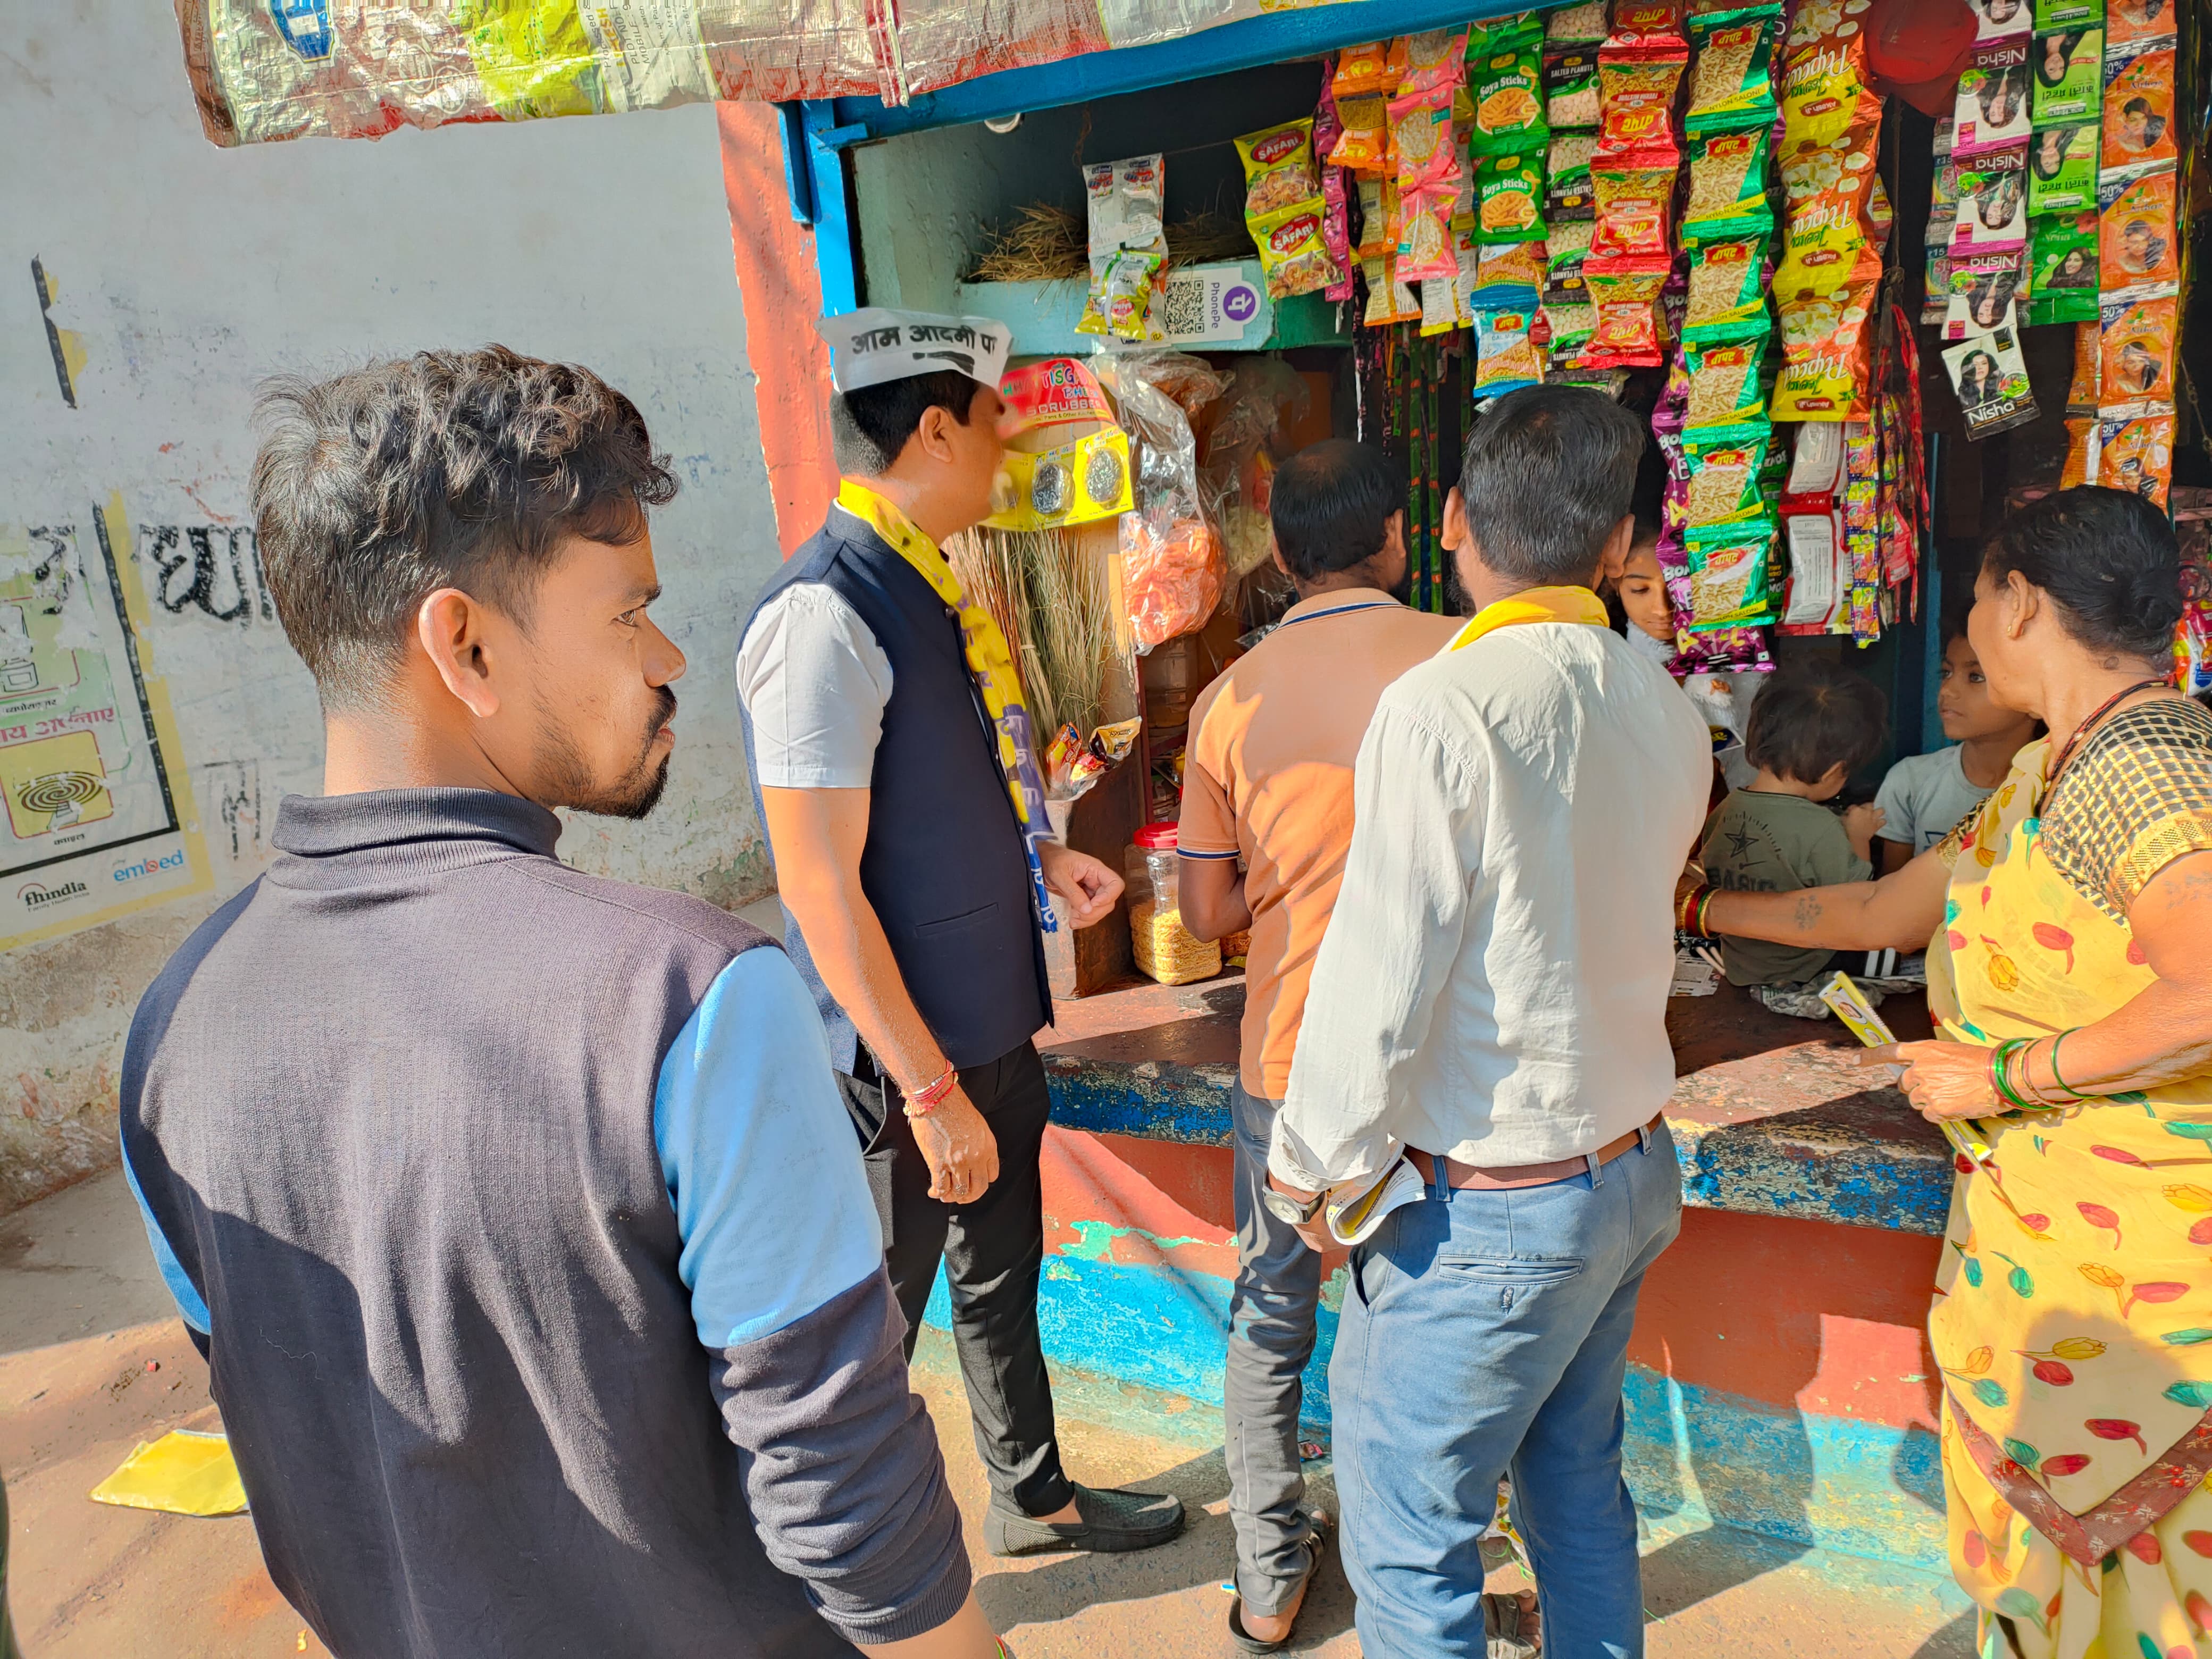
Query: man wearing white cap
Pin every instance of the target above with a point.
(896, 774)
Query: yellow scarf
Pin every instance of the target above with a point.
(1532, 605)
(991, 665)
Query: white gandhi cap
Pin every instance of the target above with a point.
(876, 344)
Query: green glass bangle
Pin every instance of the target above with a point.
(2000, 1072)
(2055, 1077)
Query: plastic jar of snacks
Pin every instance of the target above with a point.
(1165, 948)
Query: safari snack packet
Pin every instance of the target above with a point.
(1278, 169)
(2136, 339)
(1634, 193)
(1732, 74)
(2061, 169)
(1728, 293)
(1509, 193)
(1827, 351)
(1294, 250)
(1727, 198)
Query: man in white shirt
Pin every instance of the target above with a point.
(1490, 1002)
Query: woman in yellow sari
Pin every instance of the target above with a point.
(2068, 923)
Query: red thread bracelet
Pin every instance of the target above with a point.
(924, 1101)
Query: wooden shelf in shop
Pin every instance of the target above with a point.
(1044, 316)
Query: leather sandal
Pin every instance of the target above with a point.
(1502, 1617)
(1315, 1546)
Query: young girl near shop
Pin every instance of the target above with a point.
(1924, 795)
(1813, 726)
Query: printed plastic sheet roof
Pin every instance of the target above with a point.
(265, 69)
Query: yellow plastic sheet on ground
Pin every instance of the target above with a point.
(186, 1472)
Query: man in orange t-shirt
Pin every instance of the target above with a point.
(1267, 786)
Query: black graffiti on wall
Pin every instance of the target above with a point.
(212, 568)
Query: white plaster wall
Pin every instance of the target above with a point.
(192, 273)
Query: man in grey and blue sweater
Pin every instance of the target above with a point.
(516, 1210)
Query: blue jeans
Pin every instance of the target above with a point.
(1488, 1332)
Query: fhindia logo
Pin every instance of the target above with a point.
(32, 894)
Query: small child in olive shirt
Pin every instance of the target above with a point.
(1811, 726)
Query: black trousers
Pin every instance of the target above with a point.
(992, 1251)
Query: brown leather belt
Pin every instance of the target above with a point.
(1464, 1175)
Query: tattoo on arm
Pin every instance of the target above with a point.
(1807, 917)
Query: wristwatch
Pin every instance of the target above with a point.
(1297, 1212)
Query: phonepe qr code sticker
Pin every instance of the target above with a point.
(1215, 303)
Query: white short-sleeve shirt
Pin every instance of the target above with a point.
(814, 683)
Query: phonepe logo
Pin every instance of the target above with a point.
(143, 867)
(1240, 303)
(32, 894)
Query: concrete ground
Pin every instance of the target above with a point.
(92, 1362)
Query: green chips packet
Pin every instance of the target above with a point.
(1732, 76)
(1727, 198)
(1724, 463)
(1509, 198)
(1727, 385)
(1505, 88)
(1728, 293)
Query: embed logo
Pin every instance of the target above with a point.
(33, 895)
(149, 866)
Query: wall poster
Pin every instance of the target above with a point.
(96, 816)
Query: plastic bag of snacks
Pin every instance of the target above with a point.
(1827, 351)
(1278, 169)
(1570, 87)
(2138, 104)
(1172, 576)
(1728, 196)
(1388, 298)
(1504, 83)
(1578, 24)
(1625, 294)
(1434, 57)
(1426, 248)
(1728, 293)
(1635, 192)
(1128, 244)
(2134, 451)
(2137, 250)
(2134, 361)
(1732, 79)
(1509, 190)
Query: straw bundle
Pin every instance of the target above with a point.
(1049, 595)
(1044, 244)
(1206, 235)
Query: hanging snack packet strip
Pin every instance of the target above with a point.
(1625, 293)
(1284, 209)
(1128, 244)
(1634, 193)
(1728, 188)
(1570, 97)
(1504, 85)
(1569, 192)
(1732, 79)
(1728, 293)
(1827, 350)
(1508, 192)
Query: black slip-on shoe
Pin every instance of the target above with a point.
(1113, 1520)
